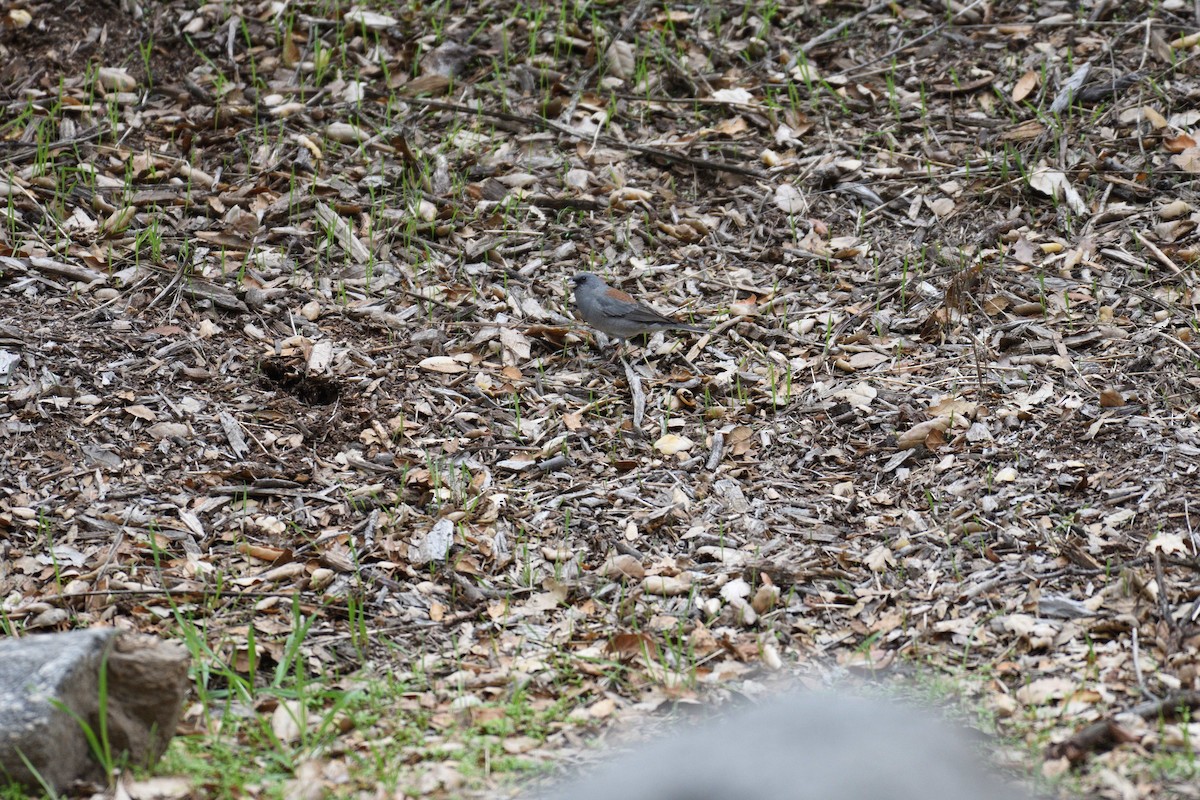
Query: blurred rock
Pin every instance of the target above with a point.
(817, 746)
(48, 680)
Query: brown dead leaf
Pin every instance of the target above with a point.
(632, 645)
(917, 434)
(1188, 160)
(1178, 144)
(141, 412)
(448, 365)
(1024, 132)
(431, 85)
(288, 720)
(620, 57)
(602, 709)
(262, 552)
(731, 127)
(1024, 85)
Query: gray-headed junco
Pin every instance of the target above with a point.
(617, 313)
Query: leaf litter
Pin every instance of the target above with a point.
(286, 336)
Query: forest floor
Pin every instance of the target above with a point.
(289, 371)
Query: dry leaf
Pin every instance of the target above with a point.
(1169, 544)
(672, 443)
(1026, 84)
(1188, 160)
(1042, 690)
(917, 434)
(345, 133)
(734, 96)
(435, 544)
(632, 645)
(602, 708)
(623, 566)
(141, 412)
(1184, 42)
(731, 127)
(1054, 183)
(369, 19)
(1174, 209)
(621, 59)
(789, 200)
(666, 586)
(116, 79)
(1177, 144)
(880, 559)
(1005, 475)
(445, 364)
(942, 207)
(867, 359)
(17, 18)
(288, 720)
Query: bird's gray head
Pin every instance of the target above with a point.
(585, 278)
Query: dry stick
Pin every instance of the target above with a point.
(122, 296)
(1187, 514)
(897, 285)
(1107, 733)
(1137, 661)
(48, 265)
(978, 368)
(368, 537)
(27, 154)
(1023, 577)
(157, 592)
(98, 573)
(37, 204)
(639, 397)
(899, 48)
(836, 30)
(171, 284)
(601, 54)
(410, 625)
(1162, 257)
(474, 592)
(714, 455)
(675, 66)
(1164, 604)
(609, 141)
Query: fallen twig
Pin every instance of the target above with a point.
(608, 141)
(1107, 733)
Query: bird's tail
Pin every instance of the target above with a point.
(695, 329)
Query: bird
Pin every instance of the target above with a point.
(618, 313)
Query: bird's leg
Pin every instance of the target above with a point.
(646, 339)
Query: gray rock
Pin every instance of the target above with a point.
(46, 678)
(806, 746)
